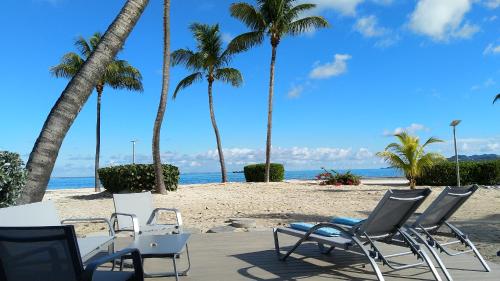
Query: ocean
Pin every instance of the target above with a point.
(197, 178)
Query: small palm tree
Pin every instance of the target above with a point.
(496, 98)
(275, 18)
(209, 61)
(409, 156)
(118, 75)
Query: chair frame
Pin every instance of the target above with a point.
(424, 234)
(362, 240)
(136, 225)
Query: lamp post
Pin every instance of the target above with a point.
(133, 150)
(454, 124)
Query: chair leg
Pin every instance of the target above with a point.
(175, 269)
(433, 253)
(324, 249)
(431, 266)
(373, 263)
(478, 255)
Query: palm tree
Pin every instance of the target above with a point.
(162, 107)
(409, 156)
(209, 61)
(275, 18)
(118, 75)
(44, 154)
(496, 98)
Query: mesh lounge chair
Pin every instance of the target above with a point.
(134, 212)
(437, 216)
(383, 225)
(51, 253)
(45, 214)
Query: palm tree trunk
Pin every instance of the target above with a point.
(44, 154)
(270, 114)
(159, 180)
(99, 89)
(216, 130)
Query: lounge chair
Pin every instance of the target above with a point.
(437, 216)
(45, 214)
(134, 212)
(384, 225)
(52, 253)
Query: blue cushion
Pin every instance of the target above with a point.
(346, 221)
(325, 231)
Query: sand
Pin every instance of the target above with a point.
(204, 206)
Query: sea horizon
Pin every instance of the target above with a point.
(236, 176)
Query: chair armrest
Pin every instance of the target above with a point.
(136, 259)
(177, 213)
(93, 220)
(135, 221)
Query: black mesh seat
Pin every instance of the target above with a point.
(51, 253)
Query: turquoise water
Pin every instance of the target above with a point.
(194, 178)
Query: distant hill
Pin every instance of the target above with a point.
(481, 157)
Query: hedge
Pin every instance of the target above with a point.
(136, 178)
(12, 178)
(444, 173)
(255, 172)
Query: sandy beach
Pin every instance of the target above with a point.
(204, 206)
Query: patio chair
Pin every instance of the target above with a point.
(134, 212)
(436, 216)
(45, 214)
(383, 225)
(52, 253)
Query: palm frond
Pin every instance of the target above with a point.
(95, 39)
(83, 47)
(187, 81)
(431, 140)
(249, 15)
(393, 159)
(245, 41)
(121, 75)
(229, 75)
(70, 64)
(305, 24)
(496, 98)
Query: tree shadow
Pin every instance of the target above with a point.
(290, 217)
(93, 196)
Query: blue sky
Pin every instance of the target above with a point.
(383, 66)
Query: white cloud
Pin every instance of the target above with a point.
(486, 84)
(345, 7)
(413, 128)
(492, 4)
(442, 19)
(227, 37)
(335, 68)
(368, 26)
(492, 49)
(295, 91)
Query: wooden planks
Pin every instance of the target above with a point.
(251, 256)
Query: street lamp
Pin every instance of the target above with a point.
(133, 150)
(454, 124)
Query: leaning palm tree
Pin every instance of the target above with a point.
(409, 156)
(44, 154)
(496, 98)
(118, 75)
(275, 18)
(162, 106)
(209, 61)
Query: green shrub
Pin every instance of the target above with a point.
(255, 172)
(12, 178)
(480, 172)
(335, 178)
(136, 178)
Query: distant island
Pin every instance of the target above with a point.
(482, 157)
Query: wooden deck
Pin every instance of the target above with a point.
(251, 256)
